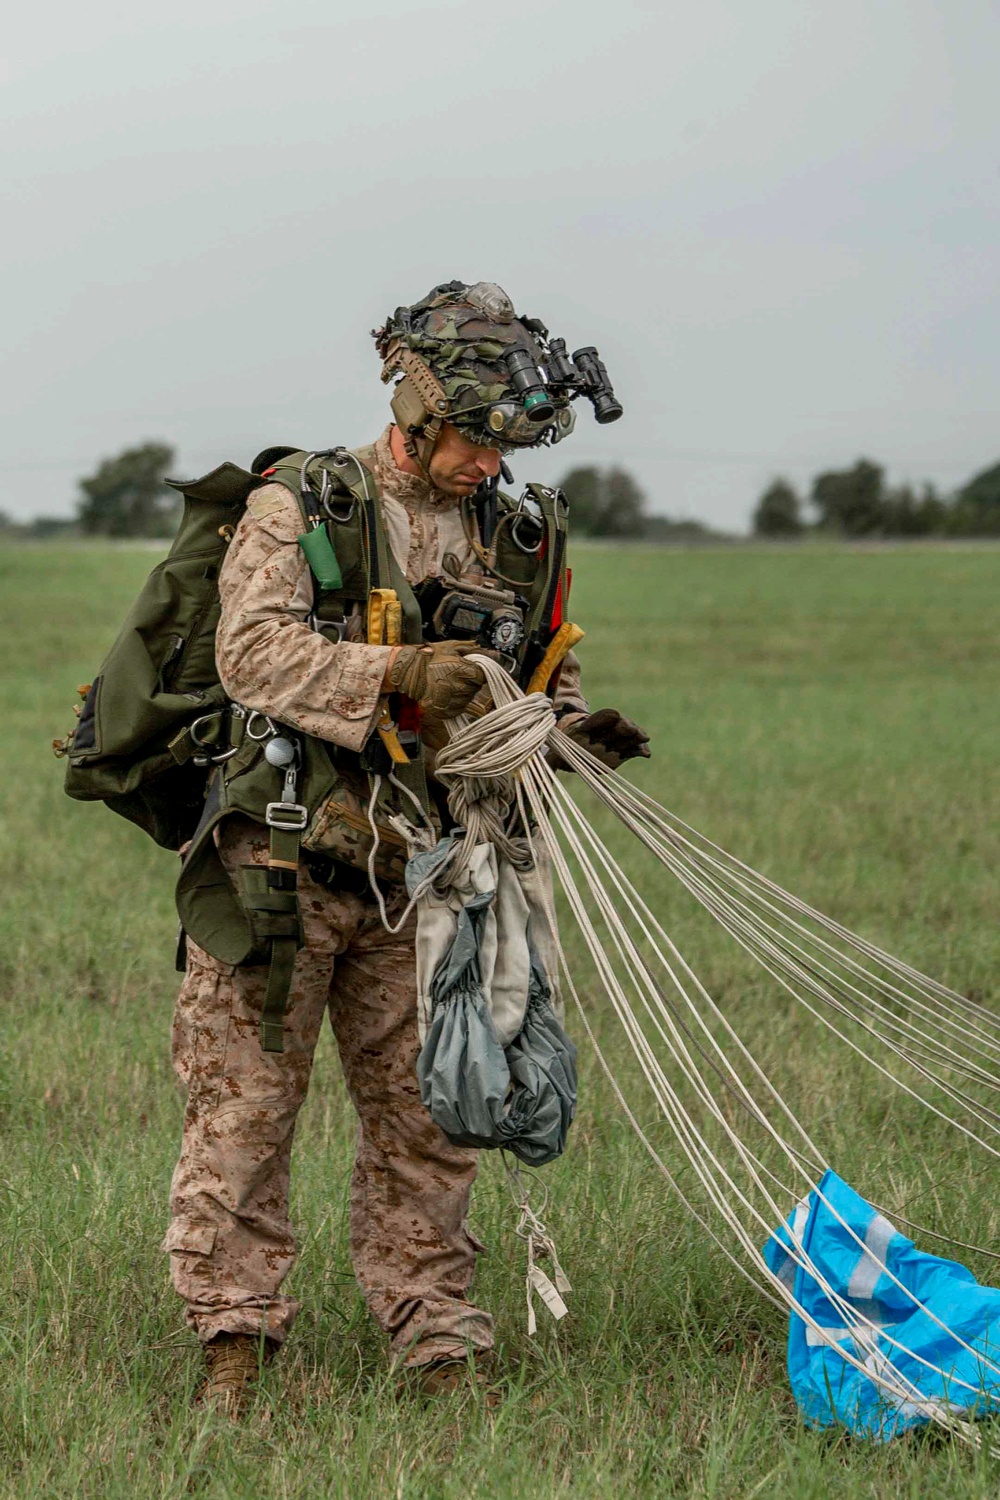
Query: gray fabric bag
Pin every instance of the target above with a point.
(512, 1087)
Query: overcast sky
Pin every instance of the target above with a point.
(777, 219)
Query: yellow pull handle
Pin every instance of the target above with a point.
(378, 599)
(564, 640)
(390, 739)
(385, 628)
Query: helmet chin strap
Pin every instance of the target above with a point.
(421, 444)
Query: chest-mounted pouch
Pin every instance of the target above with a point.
(491, 616)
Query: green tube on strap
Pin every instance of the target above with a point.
(321, 557)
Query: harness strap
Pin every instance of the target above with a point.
(286, 821)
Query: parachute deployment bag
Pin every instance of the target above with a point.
(496, 1069)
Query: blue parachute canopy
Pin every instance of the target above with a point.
(926, 1371)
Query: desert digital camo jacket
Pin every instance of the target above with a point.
(269, 658)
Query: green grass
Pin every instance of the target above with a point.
(829, 715)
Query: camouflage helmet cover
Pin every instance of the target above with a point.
(460, 334)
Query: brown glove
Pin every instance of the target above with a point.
(608, 735)
(437, 676)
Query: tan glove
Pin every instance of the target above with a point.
(607, 734)
(437, 676)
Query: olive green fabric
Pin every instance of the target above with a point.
(210, 907)
(160, 674)
(355, 538)
(218, 916)
(131, 747)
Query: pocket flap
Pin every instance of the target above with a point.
(197, 1239)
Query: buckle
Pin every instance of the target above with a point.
(287, 817)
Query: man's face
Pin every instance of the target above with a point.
(458, 466)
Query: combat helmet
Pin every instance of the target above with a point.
(462, 355)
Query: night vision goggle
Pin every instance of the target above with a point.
(543, 391)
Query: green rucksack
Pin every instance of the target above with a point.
(157, 701)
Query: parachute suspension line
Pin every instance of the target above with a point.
(751, 934)
(863, 1329)
(503, 790)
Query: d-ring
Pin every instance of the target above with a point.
(195, 733)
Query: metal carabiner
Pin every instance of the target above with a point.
(194, 731)
(340, 517)
(270, 726)
(534, 518)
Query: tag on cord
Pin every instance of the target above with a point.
(543, 1286)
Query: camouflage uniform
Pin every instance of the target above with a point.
(230, 1240)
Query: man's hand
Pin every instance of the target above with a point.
(608, 735)
(437, 676)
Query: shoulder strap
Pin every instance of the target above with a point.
(339, 496)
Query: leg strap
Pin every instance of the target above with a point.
(283, 877)
(270, 896)
(279, 982)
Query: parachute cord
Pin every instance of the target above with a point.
(540, 1245)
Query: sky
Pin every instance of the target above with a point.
(776, 219)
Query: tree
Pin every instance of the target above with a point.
(127, 496)
(583, 488)
(779, 511)
(46, 528)
(983, 489)
(907, 514)
(604, 503)
(851, 500)
(623, 512)
(976, 511)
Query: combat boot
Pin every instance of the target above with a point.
(234, 1362)
(447, 1377)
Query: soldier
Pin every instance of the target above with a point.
(469, 390)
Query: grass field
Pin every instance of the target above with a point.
(829, 715)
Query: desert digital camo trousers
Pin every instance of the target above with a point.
(230, 1240)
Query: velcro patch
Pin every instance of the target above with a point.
(261, 506)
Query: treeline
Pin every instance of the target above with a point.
(857, 502)
(126, 497)
(609, 503)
